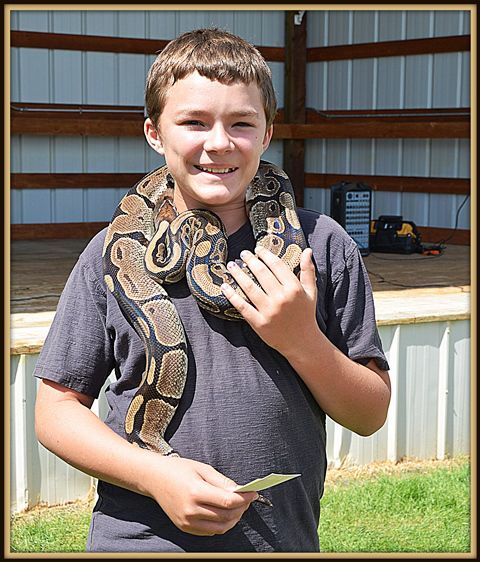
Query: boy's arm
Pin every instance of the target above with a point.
(283, 314)
(198, 499)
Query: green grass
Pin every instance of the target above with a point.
(410, 512)
(427, 510)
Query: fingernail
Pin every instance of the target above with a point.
(231, 265)
(245, 254)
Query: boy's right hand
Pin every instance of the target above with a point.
(198, 499)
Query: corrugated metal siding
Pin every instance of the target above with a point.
(73, 77)
(429, 415)
(422, 81)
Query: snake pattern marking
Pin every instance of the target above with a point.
(148, 244)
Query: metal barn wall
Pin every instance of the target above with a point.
(55, 76)
(426, 81)
(417, 81)
(429, 415)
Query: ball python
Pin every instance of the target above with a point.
(148, 244)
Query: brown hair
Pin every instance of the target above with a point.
(214, 54)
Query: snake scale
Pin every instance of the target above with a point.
(148, 244)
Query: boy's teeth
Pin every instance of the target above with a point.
(216, 170)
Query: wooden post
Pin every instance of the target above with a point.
(295, 92)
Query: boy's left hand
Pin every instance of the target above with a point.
(283, 307)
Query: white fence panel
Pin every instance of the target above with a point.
(429, 415)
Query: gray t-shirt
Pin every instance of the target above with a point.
(244, 409)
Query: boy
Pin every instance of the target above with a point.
(257, 390)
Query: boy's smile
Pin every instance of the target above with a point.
(212, 136)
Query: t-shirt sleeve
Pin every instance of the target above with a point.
(351, 316)
(78, 352)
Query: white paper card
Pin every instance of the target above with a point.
(266, 482)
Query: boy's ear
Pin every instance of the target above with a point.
(267, 138)
(152, 135)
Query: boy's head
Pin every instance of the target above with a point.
(214, 54)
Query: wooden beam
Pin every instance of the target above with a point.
(435, 235)
(106, 44)
(87, 230)
(402, 184)
(56, 230)
(295, 95)
(450, 44)
(374, 129)
(63, 119)
(73, 181)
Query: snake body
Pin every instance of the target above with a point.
(148, 244)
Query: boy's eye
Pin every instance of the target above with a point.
(243, 124)
(192, 123)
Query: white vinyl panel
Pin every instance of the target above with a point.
(34, 154)
(66, 21)
(16, 210)
(363, 26)
(190, 20)
(389, 25)
(463, 207)
(131, 152)
(67, 154)
(466, 22)
(317, 80)
(421, 387)
(338, 27)
(161, 24)
(415, 160)
(317, 200)
(315, 150)
(386, 203)
(338, 85)
(68, 205)
(316, 22)
(273, 28)
(101, 154)
(387, 157)
(445, 86)
(99, 22)
(465, 97)
(248, 25)
(274, 153)
(447, 22)
(419, 24)
(132, 24)
(463, 158)
(223, 19)
(36, 206)
(415, 207)
(14, 25)
(33, 20)
(442, 158)
(442, 210)
(67, 77)
(278, 77)
(417, 70)
(15, 154)
(361, 156)
(101, 78)
(15, 83)
(34, 75)
(389, 83)
(100, 204)
(131, 70)
(362, 83)
(336, 156)
(459, 414)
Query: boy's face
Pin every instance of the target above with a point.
(212, 136)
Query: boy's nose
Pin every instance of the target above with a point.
(218, 140)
